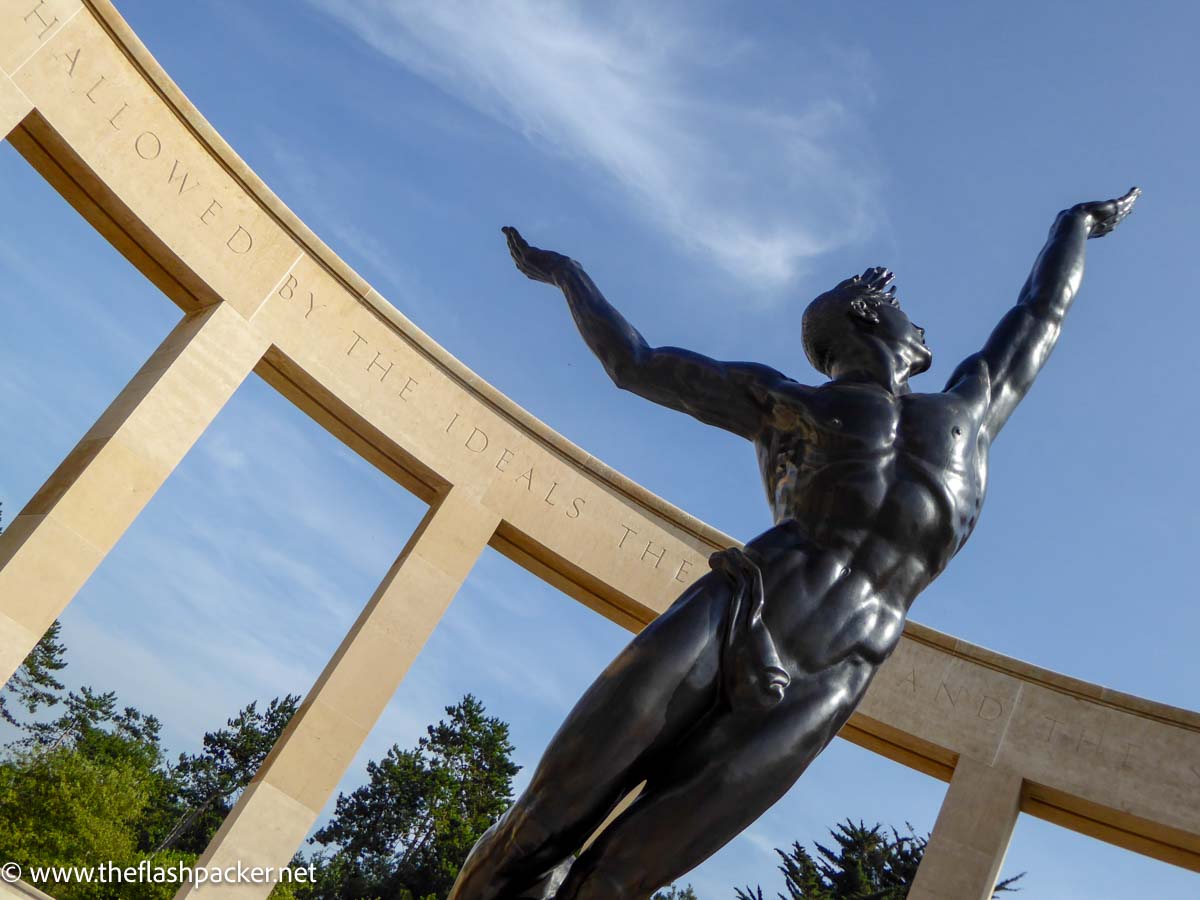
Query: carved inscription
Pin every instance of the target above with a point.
(653, 554)
(167, 166)
(288, 291)
(37, 18)
(524, 474)
(956, 698)
(1058, 734)
(377, 365)
(147, 145)
(1063, 735)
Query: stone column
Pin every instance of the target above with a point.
(14, 106)
(971, 835)
(63, 533)
(296, 780)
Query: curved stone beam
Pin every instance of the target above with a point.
(89, 107)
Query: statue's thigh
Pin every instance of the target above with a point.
(652, 693)
(727, 774)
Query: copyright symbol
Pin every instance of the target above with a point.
(11, 872)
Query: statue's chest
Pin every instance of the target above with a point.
(939, 431)
(939, 475)
(862, 457)
(845, 419)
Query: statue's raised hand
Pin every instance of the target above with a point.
(535, 263)
(1105, 215)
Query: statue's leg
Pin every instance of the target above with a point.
(726, 774)
(655, 691)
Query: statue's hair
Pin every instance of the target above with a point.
(827, 319)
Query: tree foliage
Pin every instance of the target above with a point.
(674, 892)
(867, 864)
(93, 785)
(76, 791)
(208, 783)
(406, 832)
(34, 684)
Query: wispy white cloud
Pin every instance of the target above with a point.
(73, 295)
(759, 181)
(317, 181)
(244, 572)
(224, 452)
(760, 840)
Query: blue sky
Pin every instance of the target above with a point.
(713, 171)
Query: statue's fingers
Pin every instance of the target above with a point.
(517, 254)
(514, 237)
(1125, 202)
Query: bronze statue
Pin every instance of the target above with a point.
(721, 703)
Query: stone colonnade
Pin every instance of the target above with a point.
(84, 102)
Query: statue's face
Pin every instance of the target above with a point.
(895, 327)
(844, 328)
(881, 318)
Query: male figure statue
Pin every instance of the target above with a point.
(722, 702)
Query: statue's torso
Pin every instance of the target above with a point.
(883, 490)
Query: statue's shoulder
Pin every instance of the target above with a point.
(755, 374)
(971, 378)
(765, 384)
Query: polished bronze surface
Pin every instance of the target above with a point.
(721, 703)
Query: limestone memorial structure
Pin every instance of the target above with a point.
(84, 102)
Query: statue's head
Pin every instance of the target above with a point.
(859, 324)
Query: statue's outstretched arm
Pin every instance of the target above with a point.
(732, 396)
(1020, 345)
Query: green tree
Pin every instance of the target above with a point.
(208, 784)
(76, 792)
(34, 684)
(92, 785)
(868, 864)
(675, 892)
(407, 831)
(93, 723)
(122, 739)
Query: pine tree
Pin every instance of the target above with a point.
(674, 892)
(33, 685)
(83, 787)
(407, 831)
(93, 783)
(209, 783)
(868, 864)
